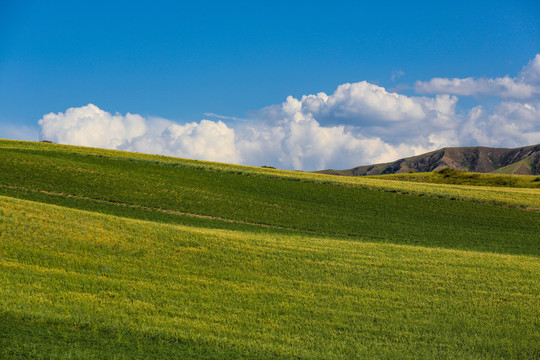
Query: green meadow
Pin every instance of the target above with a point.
(115, 255)
(456, 177)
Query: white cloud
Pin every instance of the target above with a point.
(360, 123)
(511, 124)
(300, 142)
(505, 87)
(90, 126)
(207, 140)
(294, 140)
(361, 102)
(370, 111)
(524, 86)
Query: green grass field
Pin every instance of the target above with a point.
(112, 255)
(456, 177)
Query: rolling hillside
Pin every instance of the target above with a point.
(108, 254)
(520, 161)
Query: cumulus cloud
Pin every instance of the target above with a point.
(292, 138)
(371, 111)
(511, 124)
(504, 87)
(300, 142)
(359, 123)
(90, 126)
(360, 101)
(206, 140)
(531, 72)
(526, 85)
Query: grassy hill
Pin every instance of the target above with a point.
(456, 177)
(106, 254)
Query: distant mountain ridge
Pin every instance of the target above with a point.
(522, 161)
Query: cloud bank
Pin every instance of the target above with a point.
(359, 123)
(90, 126)
(525, 86)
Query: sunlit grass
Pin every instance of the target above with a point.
(456, 177)
(236, 197)
(528, 198)
(105, 287)
(176, 258)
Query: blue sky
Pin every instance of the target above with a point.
(175, 65)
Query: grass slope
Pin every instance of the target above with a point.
(456, 177)
(21, 157)
(221, 196)
(89, 286)
(526, 165)
(114, 255)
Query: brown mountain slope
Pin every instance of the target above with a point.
(524, 161)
